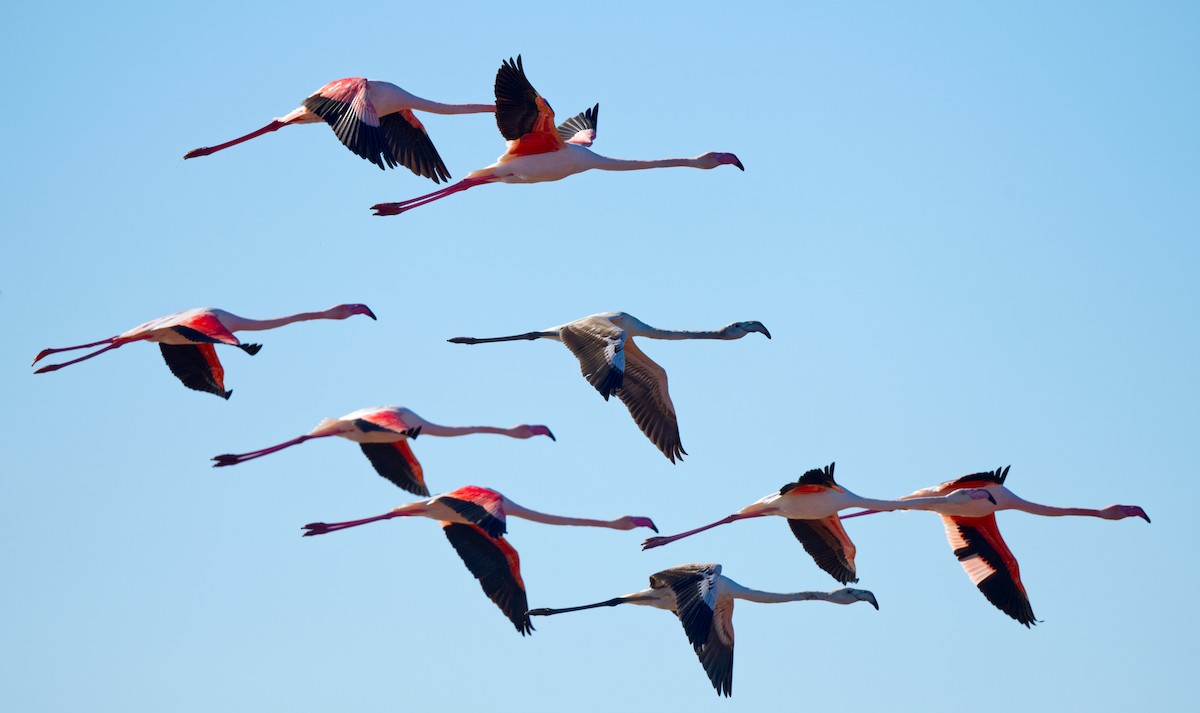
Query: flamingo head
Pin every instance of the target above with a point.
(849, 595)
(629, 522)
(1120, 512)
(344, 311)
(524, 431)
(713, 159)
(737, 330)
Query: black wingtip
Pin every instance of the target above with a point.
(227, 394)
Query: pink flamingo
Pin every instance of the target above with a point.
(186, 340)
(374, 120)
(475, 521)
(811, 505)
(976, 541)
(538, 151)
(383, 432)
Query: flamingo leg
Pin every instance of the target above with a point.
(653, 542)
(402, 206)
(98, 352)
(321, 528)
(206, 150)
(47, 352)
(235, 458)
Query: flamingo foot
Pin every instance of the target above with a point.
(653, 542)
(226, 459)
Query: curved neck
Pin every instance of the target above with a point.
(511, 508)
(605, 163)
(236, 323)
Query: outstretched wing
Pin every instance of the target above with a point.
(396, 462)
(197, 366)
(717, 653)
(981, 551)
(397, 138)
(480, 506)
(204, 328)
(495, 564)
(410, 145)
(695, 589)
(826, 540)
(599, 345)
(581, 128)
(644, 392)
(522, 115)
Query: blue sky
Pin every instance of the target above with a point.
(971, 230)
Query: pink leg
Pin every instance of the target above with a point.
(402, 206)
(858, 514)
(273, 126)
(98, 352)
(653, 542)
(47, 352)
(320, 528)
(234, 459)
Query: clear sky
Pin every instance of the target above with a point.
(972, 231)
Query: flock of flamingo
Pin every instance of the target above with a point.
(376, 121)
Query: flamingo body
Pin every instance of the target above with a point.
(538, 151)
(703, 599)
(975, 537)
(613, 364)
(186, 340)
(373, 119)
(382, 433)
(474, 519)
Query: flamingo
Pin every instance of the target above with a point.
(538, 151)
(475, 521)
(613, 364)
(976, 541)
(374, 120)
(186, 340)
(382, 432)
(703, 600)
(811, 505)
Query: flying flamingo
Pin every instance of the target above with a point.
(538, 151)
(187, 338)
(382, 432)
(811, 505)
(613, 363)
(703, 599)
(374, 120)
(976, 541)
(475, 520)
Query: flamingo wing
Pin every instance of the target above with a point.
(197, 366)
(394, 139)
(480, 506)
(409, 143)
(695, 589)
(205, 328)
(990, 564)
(522, 115)
(826, 540)
(497, 567)
(599, 345)
(717, 653)
(396, 462)
(644, 392)
(581, 128)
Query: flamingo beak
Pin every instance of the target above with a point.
(548, 433)
(370, 314)
(766, 332)
(871, 598)
(738, 162)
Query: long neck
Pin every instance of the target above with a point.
(412, 420)
(686, 334)
(439, 108)
(511, 508)
(755, 595)
(1049, 510)
(251, 325)
(605, 163)
(933, 503)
